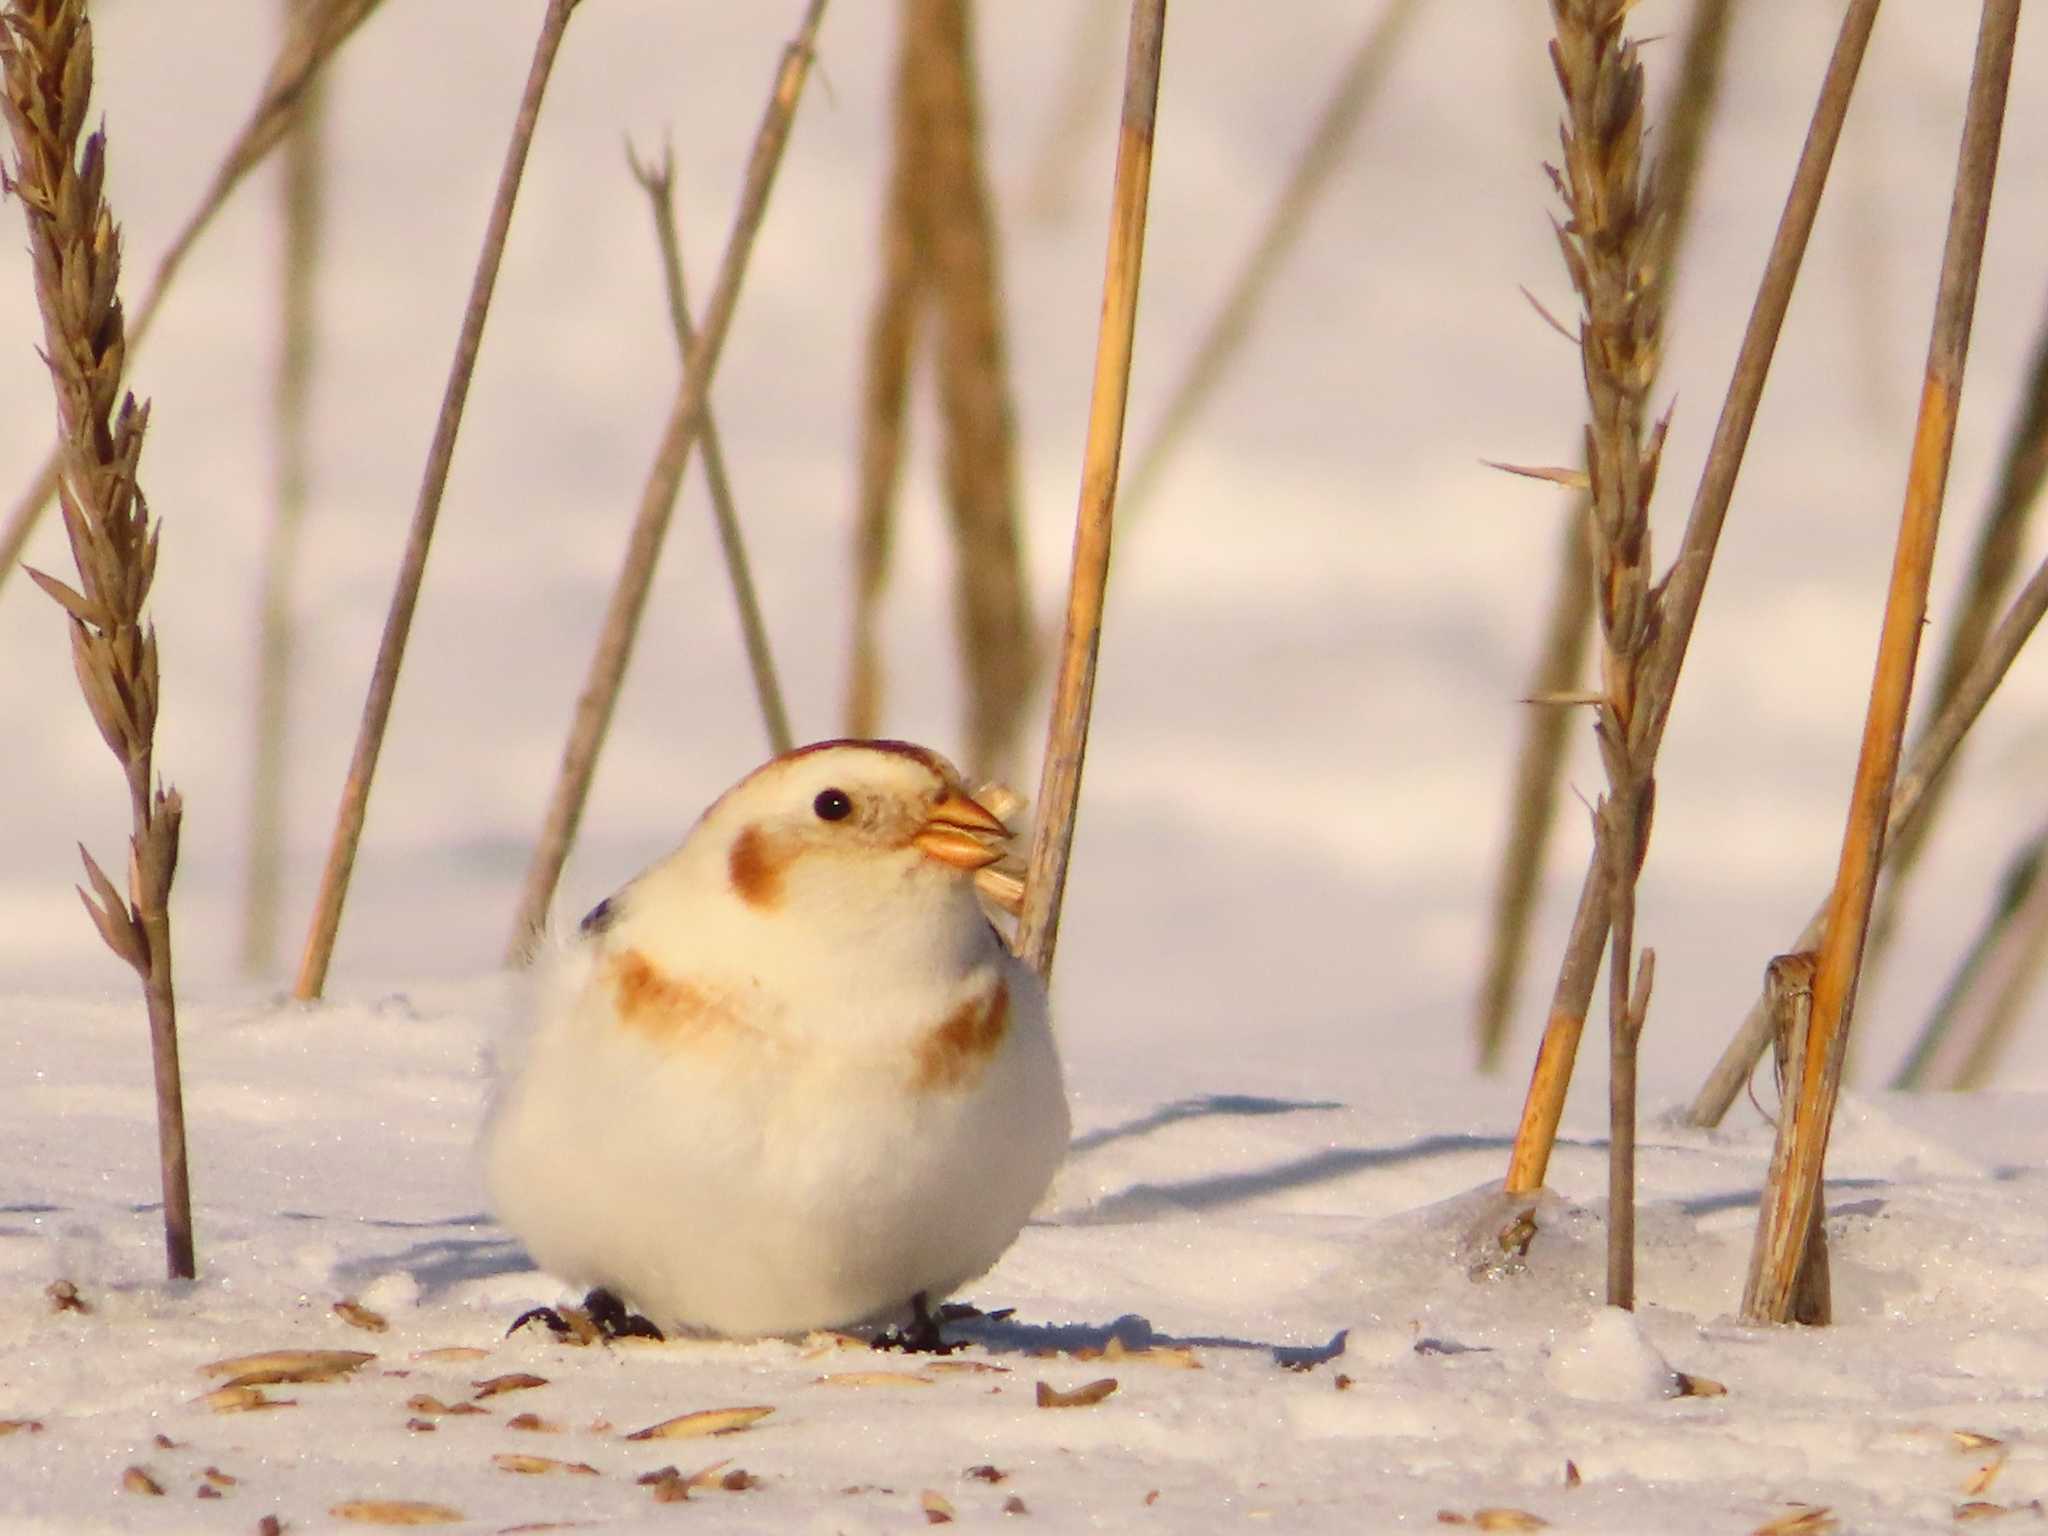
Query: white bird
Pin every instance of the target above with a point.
(790, 1077)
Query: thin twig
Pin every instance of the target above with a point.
(1059, 785)
(355, 794)
(659, 183)
(1787, 1208)
(1685, 584)
(47, 65)
(314, 32)
(657, 500)
(299, 270)
(1539, 767)
(1357, 88)
(1930, 756)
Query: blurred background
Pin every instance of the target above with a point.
(1321, 622)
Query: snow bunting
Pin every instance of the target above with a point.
(789, 1077)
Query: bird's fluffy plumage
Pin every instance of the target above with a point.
(788, 1077)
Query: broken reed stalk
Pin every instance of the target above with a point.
(1989, 984)
(355, 794)
(1930, 756)
(1788, 1001)
(1357, 88)
(885, 395)
(991, 595)
(1066, 743)
(2001, 540)
(75, 249)
(1609, 244)
(657, 500)
(1790, 1197)
(659, 183)
(1684, 586)
(300, 207)
(314, 32)
(1539, 768)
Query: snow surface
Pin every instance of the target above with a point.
(1282, 1161)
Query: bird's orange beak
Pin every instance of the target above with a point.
(959, 830)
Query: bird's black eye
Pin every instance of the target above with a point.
(832, 805)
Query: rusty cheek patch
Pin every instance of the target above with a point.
(953, 1054)
(667, 1009)
(756, 868)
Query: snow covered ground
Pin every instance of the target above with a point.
(1293, 798)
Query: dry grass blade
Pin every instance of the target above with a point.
(885, 394)
(355, 794)
(1087, 1396)
(2001, 538)
(301, 198)
(621, 623)
(659, 183)
(991, 599)
(1539, 767)
(1932, 753)
(1059, 785)
(75, 249)
(1684, 584)
(1364, 74)
(314, 31)
(1789, 1202)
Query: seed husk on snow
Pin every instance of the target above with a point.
(872, 1379)
(20, 1427)
(424, 1402)
(1980, 1481)
(448, 1354)
(294, 1365)
(705, 1421)
(136, 1480)
(64, 1297)
(1800, 1520)
(938, 1509)
(514, 1461)
(533, 1423)
(240, 1397)
(396, 1512)
(1699, 1386)
(511, 1381)
(356, 1315)
(1081, 1397)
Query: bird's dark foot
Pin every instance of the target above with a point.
(922, 1337)
(601, 1317)
(611, 1318)
(546, 1317)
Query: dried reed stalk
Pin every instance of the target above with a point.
(1789, 1201)
(885, 395)
(1609, 243)
(355, 794)
(940, 254)
(1364, 75)
(314, 32)
(1066, 744)
(2001, 542)
(1539, 768)
(75, 248)
(659, 183)
(1990, 984)
(1684, 585)
(1930, 756)
(991, 601)
(657, 499)
(301, 200)
(1788, 999)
